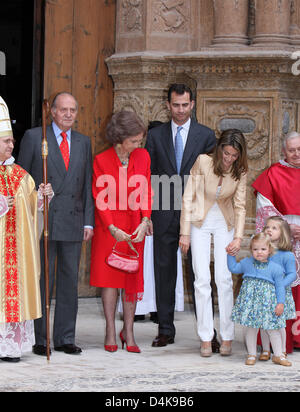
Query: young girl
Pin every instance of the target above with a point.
(260, 303)
(279, 231)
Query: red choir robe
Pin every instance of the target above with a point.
(280, 184)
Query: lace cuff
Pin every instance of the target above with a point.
(3, 206)
(40, 202)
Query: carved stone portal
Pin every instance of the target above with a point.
(234, 54)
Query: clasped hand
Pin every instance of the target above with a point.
(234, 247)
(46, 190)
(137, 236)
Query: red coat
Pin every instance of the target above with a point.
(122, 197)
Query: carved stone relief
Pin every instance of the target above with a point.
(289, 113)
(131, 16)
(255, 112)
(171, 16)
(258, 113)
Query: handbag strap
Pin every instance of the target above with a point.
(131, 247)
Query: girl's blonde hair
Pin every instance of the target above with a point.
(285, 240)
(265, 237)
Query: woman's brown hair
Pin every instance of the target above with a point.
(124, 124)
(236, 139)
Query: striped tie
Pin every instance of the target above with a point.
(178, 148)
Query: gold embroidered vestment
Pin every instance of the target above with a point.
(19, 247)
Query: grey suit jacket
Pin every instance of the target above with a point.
(160, 146)
(72, 207)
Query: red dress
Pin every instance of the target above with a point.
(122, 198)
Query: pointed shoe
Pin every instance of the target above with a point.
(111, 348)
(132, 349)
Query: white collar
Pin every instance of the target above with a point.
(284, 163)
(185, 126)
(8, 162)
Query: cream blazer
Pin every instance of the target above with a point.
(200, 194)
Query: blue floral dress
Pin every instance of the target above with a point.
(256, 302)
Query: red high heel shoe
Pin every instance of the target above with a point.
(133, 349)
(111, 348)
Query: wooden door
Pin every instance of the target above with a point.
(79, 36)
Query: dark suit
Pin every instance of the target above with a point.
(70, 210)
(166, 223)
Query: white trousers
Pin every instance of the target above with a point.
(213, 225)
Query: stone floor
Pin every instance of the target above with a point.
(174, 368)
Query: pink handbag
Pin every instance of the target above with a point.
(123, 261)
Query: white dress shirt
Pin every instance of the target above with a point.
(184, 131)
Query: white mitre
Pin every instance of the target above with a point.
(5, 124)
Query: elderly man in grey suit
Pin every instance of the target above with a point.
(71, 215)
(173, 148)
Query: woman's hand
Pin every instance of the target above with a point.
(279, 309)
(234, 247)
(119, 234)
(140, 232)
(184, 243)
(149, 231)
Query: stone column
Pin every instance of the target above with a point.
(272, 21)
(231, 22)
(295, 23)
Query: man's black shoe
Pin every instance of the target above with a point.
(40, 350)
(8, 359)
(68, 348)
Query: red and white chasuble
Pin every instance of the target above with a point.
(278, 194)
(19, 259)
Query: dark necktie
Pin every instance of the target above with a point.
(64, 148)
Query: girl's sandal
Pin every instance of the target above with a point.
(265, 355)
(251, 360)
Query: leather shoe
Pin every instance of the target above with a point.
(215, 345)
(40, 350)
(8, 359)
(162, 340)
(69, 349)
